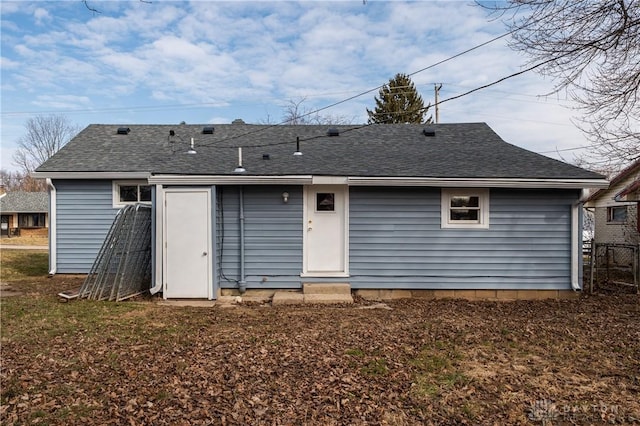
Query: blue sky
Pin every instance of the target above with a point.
(212, 62)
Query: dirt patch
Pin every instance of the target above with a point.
(7, 291)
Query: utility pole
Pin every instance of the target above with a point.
(437, 92)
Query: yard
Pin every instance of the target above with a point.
(420, 362)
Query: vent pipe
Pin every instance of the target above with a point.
(298, 152)
(239, 169)
(191, 148)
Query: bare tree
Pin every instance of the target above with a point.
(16, 181)
(94, 10)
(296, 113)
(591, 49)
(45, 135)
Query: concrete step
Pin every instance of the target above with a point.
(287, 298)
(281, 298)
(326, 288)
(328, 299)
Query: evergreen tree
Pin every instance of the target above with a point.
(399, 102)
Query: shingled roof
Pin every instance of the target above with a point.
(465, 150)
(24, 202)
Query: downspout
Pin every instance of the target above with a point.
(52, 228)
(242, 283)
(576, 242)
(157, 254)
(576, 252)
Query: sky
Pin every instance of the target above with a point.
(164, 62)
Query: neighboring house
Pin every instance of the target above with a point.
(24, 213)
(446, 207)
(616, 208)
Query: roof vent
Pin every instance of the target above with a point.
(123, 130)
(238, 121)
(266, 157)
(208, 130)
(333, 131)
(172, 133)
(429, 131)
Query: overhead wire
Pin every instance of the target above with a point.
(350, 98)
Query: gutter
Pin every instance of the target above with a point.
(377, 181)
(90, 175)
(478, 182)
(52, 229)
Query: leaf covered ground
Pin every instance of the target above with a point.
(421, 362)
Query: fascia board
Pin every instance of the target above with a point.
(479, 183)
(229, 180)
(90, 175)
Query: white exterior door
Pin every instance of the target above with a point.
(187, 243)
(326, 222)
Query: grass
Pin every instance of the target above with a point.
(375, 367)
(25, 241)
(438, 369)
(357, 352)
(438, 361)
(22, 264)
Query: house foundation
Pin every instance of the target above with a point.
(496, 295)
(290, 297)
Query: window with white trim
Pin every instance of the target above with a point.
(617, 214)
(465, 208)
(131, 192)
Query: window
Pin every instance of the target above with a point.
(465, 208)
(617, 214)
(131, 193)
(31, 220)
(325, 202)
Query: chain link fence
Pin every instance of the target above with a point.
(613, 259)
(615, 267)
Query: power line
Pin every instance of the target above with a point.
(562, 150)
(350, 98)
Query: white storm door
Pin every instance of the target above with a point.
(326, 222)
(187, 243)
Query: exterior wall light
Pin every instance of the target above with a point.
(285, 197)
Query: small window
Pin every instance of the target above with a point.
(465, 208)
(31, 220)
(325, 202)
(130, 193)
(617, 214)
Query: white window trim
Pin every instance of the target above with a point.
(617, 222)
(115, 192)
(445, 203)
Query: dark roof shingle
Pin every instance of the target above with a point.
(465, 150)
(24, 202)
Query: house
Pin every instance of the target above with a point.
(615, 208)
(447, 209)
(24, 213)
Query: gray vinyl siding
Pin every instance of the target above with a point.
(84, 214)
(273, 237)
(396, 241)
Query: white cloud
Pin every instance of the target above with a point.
(70, 102)
(41, 16)
(247, 59)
